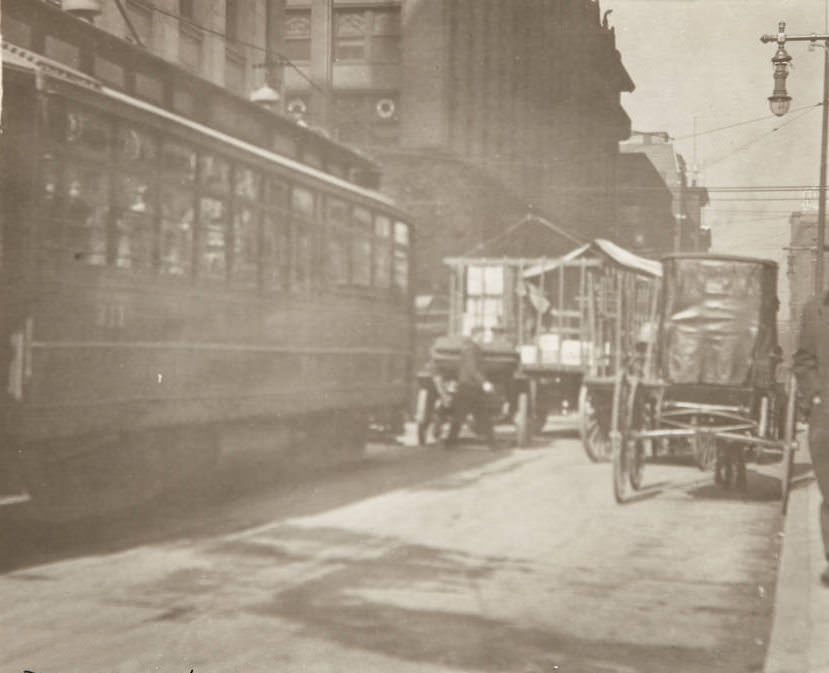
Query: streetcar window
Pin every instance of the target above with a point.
(85, 210)
(179, 160)
(246, 184)
(176, 229)
(87, 133)
(302, 202)
(178, 198)
(212, 238)
(276, 259)
(246, 219)
(382, 251)
(137, 153)
(245, 246)
(214, 174)
(361, 247)
(52, 230)
(401, 256)
(135, 147)
(401, 233)
(336, 220)
(134, 222)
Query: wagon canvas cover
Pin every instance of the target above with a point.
(718, 323)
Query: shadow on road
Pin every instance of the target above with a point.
(243, 495)
(377, 604)
(759, 488)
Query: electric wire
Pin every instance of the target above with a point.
(756, 139)
(741, 123)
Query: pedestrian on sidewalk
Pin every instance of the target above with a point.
(811, 366)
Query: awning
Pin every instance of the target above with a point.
(609, 250)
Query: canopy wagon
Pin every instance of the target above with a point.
(709, 378)
(570, 318)
(601, 297)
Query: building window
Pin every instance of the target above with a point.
(185, 9)
(350, 29)
(298, 36)
(367, 35)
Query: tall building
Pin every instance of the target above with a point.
(660, 226)
(479, 110)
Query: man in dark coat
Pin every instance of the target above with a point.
(472, 389)
(811, 366)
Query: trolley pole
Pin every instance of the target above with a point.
(779, 103)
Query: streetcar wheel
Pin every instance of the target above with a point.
(522, 419)
(594, 437)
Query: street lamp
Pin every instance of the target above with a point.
(779, 104)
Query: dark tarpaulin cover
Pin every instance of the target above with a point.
(719, 323)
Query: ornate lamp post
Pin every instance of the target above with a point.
(779, 104)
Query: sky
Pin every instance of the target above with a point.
(701, 63)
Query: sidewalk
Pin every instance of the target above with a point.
(800, 631)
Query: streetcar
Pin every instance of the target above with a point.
(166, 286)
(708, 380)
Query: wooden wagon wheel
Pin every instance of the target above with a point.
(641, 417)
(618, 439)
(594, 436)
(790, 428)
(522, 419)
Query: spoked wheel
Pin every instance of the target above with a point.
(621, 467)
(594, 435)
(640, 417)
(789, 444)
(620, 446)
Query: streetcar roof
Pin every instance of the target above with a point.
(615, 253)
(21, 58)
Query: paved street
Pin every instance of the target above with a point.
(416, 560)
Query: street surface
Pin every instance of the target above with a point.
(415, 560)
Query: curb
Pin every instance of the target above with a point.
(789, 644)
